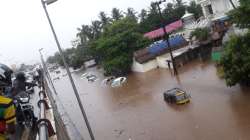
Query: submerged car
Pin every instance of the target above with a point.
(91, 78)
(84, 75)
(176, 96)
(118, 81)
(108, 80)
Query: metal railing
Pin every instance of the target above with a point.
(59, 122)
(64, 126)
(45, 129)
(66, 129)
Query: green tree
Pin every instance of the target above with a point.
(131, 14)
(104, 18)
(236, 60)
(195, 9)
(169, 9)
(116, 14)
(143, 15)
(179, 10)
(236, 57)
(56, 58)
(68, 53)
(153, 20)
(200, 34)
(96, 29)
(116, 46)
(240, 15)
(171, 12)
(85, 33)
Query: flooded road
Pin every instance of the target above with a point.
(137, 109)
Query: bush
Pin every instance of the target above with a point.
(201, 34)
(236, 60)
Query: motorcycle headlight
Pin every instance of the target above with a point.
(24, 100)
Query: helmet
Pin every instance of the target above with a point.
(20, 76)
(5, 75)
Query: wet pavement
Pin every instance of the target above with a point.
(137, 110)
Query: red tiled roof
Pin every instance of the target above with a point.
(169, 28)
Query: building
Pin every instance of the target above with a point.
(169, 29)
(157, 54)
(188, 19)
(216, 8)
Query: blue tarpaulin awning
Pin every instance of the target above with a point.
(159, 46)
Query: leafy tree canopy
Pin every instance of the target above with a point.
(201, 34)
(236, 56)
(116, 14)
(117, 44)
(240, 15)
(236, 60)
(195, 9)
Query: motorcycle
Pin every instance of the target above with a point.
(30, 90)
(24, 110)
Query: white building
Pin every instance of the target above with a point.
(158, 62)
(216, 8)
(188, 19)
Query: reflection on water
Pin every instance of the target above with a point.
(137, 109)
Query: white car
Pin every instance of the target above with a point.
(118, 81)
(84, 75)
(91, 78)
(108, 80)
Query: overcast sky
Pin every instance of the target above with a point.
(24, 28)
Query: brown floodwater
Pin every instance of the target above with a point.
(137, 110)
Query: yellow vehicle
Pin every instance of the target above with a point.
(176, 96)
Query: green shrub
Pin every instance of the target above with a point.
(236, 60)
(201, 34)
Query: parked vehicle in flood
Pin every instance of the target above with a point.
(84, 75)
(108, 80)
(118, 81)
(176, 96)
(91, 77)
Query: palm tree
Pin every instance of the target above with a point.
(116, 14)
(85, 33)
(105, 20)
(131, 14)
(143, 15)
(96, 28)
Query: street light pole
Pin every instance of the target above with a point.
(46, 70)
(67, 69)
(166, 35)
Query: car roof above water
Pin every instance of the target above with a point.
(175, 91)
